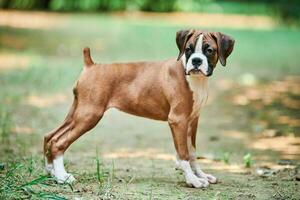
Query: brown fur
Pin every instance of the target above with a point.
(155, 90)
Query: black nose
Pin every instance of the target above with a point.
(196, 62)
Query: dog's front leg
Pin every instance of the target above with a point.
(191, 141)
(179, 126)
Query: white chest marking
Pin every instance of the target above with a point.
(198, 86)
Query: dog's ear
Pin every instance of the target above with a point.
(182, 37)
(225, 46)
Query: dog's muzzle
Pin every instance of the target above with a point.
(196, 63)
(209, 71)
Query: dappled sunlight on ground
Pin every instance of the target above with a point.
(221, 166)
(270, 92)
(236, 134)
(273, 166)
(144, 153)
(46, 101)
(287, 146)
(270, 108)
(232, 168)
(288, 120)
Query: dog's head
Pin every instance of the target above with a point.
(201, 50)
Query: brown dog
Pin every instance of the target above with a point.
(172, 90)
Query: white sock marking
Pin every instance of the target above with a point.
(195, 166)
(190, 178)
(59, 171)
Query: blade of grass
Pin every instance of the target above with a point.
(35, 181)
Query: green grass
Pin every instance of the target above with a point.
(54, 63)
(19, 183)
(248, 162)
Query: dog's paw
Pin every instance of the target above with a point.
(64, 178)
(210, 178)
(196, 182)
(204, 182)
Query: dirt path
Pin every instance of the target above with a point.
(138, 157)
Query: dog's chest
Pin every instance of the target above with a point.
(198, 86)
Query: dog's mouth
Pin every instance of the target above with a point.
(198, 72)
(195, 72)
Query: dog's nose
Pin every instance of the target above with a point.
(196, 62)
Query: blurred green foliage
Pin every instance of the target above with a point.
(287, 11)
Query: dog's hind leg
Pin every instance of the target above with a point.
(63, 128)
(87, 109)
(83, 119)
(83, 116)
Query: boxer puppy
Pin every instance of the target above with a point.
(172, 90)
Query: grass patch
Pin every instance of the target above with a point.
(248, 162)
(18, 182)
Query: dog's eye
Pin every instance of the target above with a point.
(188, 50)
(209, 50)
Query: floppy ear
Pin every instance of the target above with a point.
(225, 46)
(182, 37)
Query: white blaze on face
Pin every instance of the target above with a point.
(197, 54)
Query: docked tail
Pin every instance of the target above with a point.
(87, 57)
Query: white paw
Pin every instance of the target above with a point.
(195, 181)
(210, 178)
(204, 182)
(63, 177)
(59, 171)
